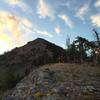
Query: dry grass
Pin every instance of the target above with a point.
(74, 68)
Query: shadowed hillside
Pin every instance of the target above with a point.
(19, 61)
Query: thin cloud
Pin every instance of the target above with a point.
(71, 5)
(15, 30)
(57, 30)
(95, 19)
(19, 3)
(10, 23)
(44, 33)
(67, 20)
(44, 9)
(26, 22)
(14, 25)
(13, 2)
(82, 11)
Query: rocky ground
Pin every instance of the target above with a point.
(58, 82)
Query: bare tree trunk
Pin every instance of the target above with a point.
(67, 47)
(98, 45)
(97, 36)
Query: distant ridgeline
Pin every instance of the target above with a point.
(34, 53)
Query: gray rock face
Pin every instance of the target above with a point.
(58, 82)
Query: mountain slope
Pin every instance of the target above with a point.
(21, 60)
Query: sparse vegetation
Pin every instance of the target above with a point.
(82, 50)
(7, 78)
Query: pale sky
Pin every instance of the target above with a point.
(25, 20)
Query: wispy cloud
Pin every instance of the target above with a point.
(13, 2)
(95, 19)
(44, 10)
(97, 4)
(26, 22)
(57, 29)
(45, 33)
(67, 20)
(19, 3)
(12, 24)
(71, 5)
(14, 31)
(82, 11)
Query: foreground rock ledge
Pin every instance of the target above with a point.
(58, 82)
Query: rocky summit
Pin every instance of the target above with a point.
(59, 81)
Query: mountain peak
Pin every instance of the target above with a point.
(38, 41)
(34, 53)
